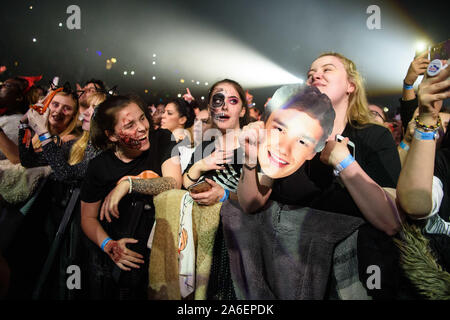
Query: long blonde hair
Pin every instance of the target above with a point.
(71, 128)
(358, 113)
(79, 147)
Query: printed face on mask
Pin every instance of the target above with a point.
(291, 137)
(131, 129)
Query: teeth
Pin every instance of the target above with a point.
(278, 159)
(217, 116)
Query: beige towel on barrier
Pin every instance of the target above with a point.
(163, 267)
(18, 183)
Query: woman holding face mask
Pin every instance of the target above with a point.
(335, 180)
(134, 164)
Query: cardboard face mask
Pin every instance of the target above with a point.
(298, 120)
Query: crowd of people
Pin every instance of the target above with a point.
(316, 195)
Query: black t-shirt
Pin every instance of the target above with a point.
(314, 184)
(441, 170)
(106, 169)
(227, 178)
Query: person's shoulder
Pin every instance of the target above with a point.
(373, 131)
(161, 134)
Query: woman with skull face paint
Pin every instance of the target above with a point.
(134, 164)
(219, 163)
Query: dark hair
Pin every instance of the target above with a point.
(185, 110)
(245, 119)
(104, 118)
(97, 82)
(306, 99)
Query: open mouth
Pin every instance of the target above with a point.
(277, 161)
(221, 116)
(57, 118)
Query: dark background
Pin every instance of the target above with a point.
(193, 39)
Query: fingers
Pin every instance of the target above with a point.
(212, 182)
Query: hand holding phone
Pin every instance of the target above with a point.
(350, 144)
(199, 187)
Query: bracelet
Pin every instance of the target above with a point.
(250, 168)
(193, 180)
(408, 86)
(420, 135)
(131, 184)
(343, 164)
(104, 243)
(23, 125)
(44, 136)
(225, 195)
(425, 127)
(404, 146)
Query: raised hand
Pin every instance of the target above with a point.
(249, 138)
(334, 152)
(432, 91)
(417, 67)
(188, 96)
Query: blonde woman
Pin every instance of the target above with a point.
(70, 160)
(336, 180)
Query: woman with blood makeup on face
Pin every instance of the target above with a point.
(376, 164)
(117, 211)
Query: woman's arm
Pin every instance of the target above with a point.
(414, 187)
(9, 148)
(28, 157)
(371, 199)
(123, 257)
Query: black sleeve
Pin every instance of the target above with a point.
(167, 145)
(382, 162)
(407, 109)
(29, 158)
(58, 161)
(93, 187)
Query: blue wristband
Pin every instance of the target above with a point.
(225, 196)
(104, 243)
(344, 164)
(44, 136)
(404, 146)
(407, 86)
(420, 135)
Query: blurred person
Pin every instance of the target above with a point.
(254, 113)
(91, 86)
(378, 114)
(157, 115)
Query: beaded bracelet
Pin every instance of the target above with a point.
(425, 127)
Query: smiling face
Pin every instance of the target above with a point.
(328, 74)
(131, 129)
(62, 109)
(171, 119)
(291, 138)
(226, 107)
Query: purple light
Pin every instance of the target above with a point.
(99, 53)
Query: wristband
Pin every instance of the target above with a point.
(225, 196)
(105, 242)
(404, 146)
(193, 180)
(44, 136)
(343, 164)
(407, 86)
(420, 135)
(131, 184)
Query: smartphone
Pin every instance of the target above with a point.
(440, 51)
(199, 187)
(350, 145)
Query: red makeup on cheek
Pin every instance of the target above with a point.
(129, 140)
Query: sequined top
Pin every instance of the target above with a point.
(56, 157)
